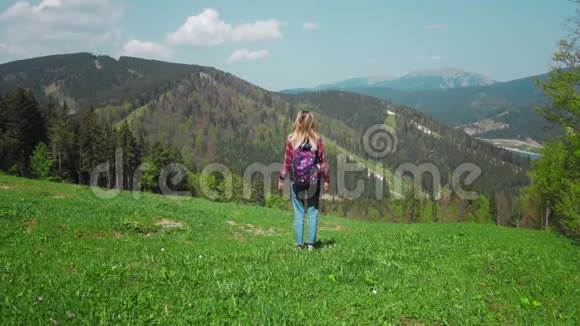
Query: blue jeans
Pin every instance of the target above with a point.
(311, 204)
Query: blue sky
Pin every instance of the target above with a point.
(285, 44)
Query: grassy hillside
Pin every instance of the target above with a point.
(68, 257)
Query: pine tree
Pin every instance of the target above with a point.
(41, 162)
(87, 145)
(6, 123)
(155, 160)
(62, 139)
(433, 210)
(50, 114)
(29, 127)
(131, 153)
(411, 205)
(493, 208)
(108, 146)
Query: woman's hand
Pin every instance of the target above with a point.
(280, 185)
(326, 186)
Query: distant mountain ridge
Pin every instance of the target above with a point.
(417, 80)
(437, 79)
(461, 99)
(512, 103)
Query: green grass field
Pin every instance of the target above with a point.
(68, 257)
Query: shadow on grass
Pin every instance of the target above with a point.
(325, 243)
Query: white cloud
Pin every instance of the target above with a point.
(49, 4)
(150, 50)
(245, 54)
(310, 26)
(54, 26)
(19, 9)
(25, 8)
(61, 12)
(436, 27)
(207, 29)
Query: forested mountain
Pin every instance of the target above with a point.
(198, 115)
(420, 138)
(509, 104)
(85, 80)
(464, 105)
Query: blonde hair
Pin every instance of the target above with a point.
(304, 131)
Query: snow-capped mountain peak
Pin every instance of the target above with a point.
(416, 80)
(444, 78)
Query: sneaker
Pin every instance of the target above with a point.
(310, 247)
(299, 247)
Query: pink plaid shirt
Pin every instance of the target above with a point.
(289, 152)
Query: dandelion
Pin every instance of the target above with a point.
(375, 292)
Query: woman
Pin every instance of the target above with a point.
(305, 160)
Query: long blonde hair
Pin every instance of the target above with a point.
(304, 130)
